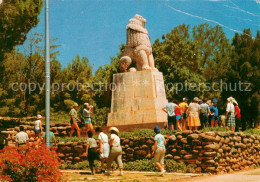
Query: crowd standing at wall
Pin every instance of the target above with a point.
(202, 113)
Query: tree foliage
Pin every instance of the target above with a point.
(192, 60)
(17, 18)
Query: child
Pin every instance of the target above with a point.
(38, 127)
(214, 112)
(178, 116)
(159, 150)
(103, 147)
(91, 151)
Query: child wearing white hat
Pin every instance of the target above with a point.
(38, 126)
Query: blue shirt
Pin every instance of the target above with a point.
(170, 107)
(160, 140)
(215, 108)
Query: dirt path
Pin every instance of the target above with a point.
(252, 175)
(84, 175)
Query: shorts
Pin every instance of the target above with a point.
(105, 150)
(178, 117)
(159, 155)
(214, 118)
(37, 131)
(87, 120)
(171, 119)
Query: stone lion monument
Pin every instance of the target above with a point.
(138, 47)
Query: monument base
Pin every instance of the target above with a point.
(137, 98)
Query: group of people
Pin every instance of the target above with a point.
(22, 137)
(86, 119)
(110, 150)
(181, 115)
(201, 113)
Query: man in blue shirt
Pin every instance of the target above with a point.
(170, 110)
(214, 112)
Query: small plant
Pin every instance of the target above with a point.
(31, 164)
(252, 131)
(214, 129)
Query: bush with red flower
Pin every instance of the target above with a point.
(29, 164)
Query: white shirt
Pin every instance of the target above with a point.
(230, 108)
(102, 136)
(37, 124)
(116, 141)
(170, 108)
(86, 113)
(21, 137)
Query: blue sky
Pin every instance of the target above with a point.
(96, 28)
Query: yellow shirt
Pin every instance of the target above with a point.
(183, 107)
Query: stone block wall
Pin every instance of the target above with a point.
(214, 152)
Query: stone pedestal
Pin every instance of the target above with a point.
(137, 98)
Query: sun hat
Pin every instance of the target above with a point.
(114, 129)
(86, 104)
(157, 129)
(214, 100)
(75, 105)
(39, 116)
(196, 99)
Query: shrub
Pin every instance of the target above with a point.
(31, 164)
(252, 131)
(214, 129)
(141, 165)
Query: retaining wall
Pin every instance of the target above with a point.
(215, 152)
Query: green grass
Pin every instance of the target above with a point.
(141, 165)
(252, 131)
(214, 129)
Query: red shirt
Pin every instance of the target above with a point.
(237, 110)
(177, 111)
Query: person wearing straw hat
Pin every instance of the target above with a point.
(74, 120)
(230, 114)
(194, 112)
(38, 126)
(115, 152)
(184, 108)
(87, 112)
(159, 150)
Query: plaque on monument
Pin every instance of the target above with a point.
(138, 94)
